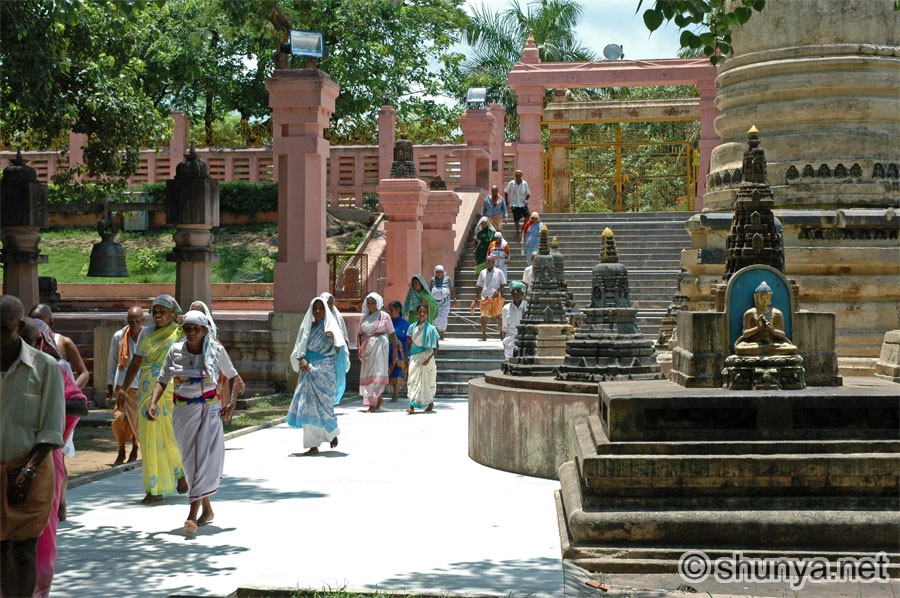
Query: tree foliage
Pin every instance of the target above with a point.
(713, 21)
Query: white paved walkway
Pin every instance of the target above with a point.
(398, 506)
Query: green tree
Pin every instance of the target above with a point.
(498, 38)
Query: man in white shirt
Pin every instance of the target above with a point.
(512, 315)
(122, 349)
(491, 282)
(517, 194)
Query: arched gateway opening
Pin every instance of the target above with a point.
(530, 79)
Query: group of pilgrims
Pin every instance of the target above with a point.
(393, 346)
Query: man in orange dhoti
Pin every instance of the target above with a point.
(121, 352)
(491, 282)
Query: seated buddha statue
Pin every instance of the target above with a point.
(763, 328)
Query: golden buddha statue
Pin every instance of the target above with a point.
(763, 328)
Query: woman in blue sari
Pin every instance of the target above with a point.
(315, 357)
(532, 235)
(423, 345)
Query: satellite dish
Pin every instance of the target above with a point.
(613, 52)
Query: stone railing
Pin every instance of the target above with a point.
(352, 170)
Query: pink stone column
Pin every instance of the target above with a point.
(387, 135)
(302, 102)
(403, 201)
(708, 138)
(475, 160)
(77, 143)
(178, 144)
(498, 138)
(438, 236)
(529, 150)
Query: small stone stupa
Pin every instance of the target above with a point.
(544, 330)
(404, 165)
(608, 345)
(559, 270)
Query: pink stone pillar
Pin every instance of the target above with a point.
(178, 144)
(387, 135)
(708, 138)
(475, 160)
(77, 143)
(438, 236)
(498, 138)
(302, 102)
(403, 201)
(529, 150)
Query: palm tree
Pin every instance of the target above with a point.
(497, 40)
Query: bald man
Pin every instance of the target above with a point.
(32, 420)
(122, 350)
(67, 348)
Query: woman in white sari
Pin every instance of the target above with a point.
(375, 340)
(423, 342)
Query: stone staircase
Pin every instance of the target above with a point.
(649, 244)
(461, 359)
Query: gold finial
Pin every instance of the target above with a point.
(544, 228)
(554, 242)
(607, 232)
(753, 133)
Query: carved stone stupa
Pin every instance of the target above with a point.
(608, 345)
(403, 166)
(542, 334)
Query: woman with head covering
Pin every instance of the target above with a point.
(484, 236)
(342, 365)
(375, 343)
(314, 357)
(423, 345)
(399, 364)
(499, 250)
(160, 459)
(417, 294)
(193, 366)
(38, 334)
(532, 235)
(224, 386)
(444, 296)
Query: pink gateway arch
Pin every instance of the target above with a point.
(530, 78)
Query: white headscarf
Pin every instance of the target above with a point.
(335, 312)
(379, 303)
(213, 329)
(198, 318)
(303, 334)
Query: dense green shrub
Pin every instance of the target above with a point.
(235, 197)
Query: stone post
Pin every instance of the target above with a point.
(77, 143)
(498, 138)
(403, 201)
(475, 160)
(178, 144)
(529, 149)
(192, 199)
(23, 211)
(302, 102)
(708, 138)
(438, 236)
(387, 135)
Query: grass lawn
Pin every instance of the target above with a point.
(246, 254)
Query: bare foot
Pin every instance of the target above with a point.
(190, 526)
(410, 411)
(394, 399)
(62, 512)
(206, 517)
(371, 409)
(313, 451)
(379, 403)
(151, 498)
(120, 458)
(133, 456)
(182, 485)
(430, 406)
(334, 442)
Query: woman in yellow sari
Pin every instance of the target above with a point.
(161, 461)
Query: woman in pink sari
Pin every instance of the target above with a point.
(374, 341)
(38, 335)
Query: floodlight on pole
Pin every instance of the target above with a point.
(305, 43)
(476, 95)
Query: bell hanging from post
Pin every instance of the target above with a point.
(107, 256)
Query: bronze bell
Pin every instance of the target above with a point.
(107, 256)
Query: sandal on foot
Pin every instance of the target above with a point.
(204, 520)
(151, 498)
(334, 442)
(190, 527)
